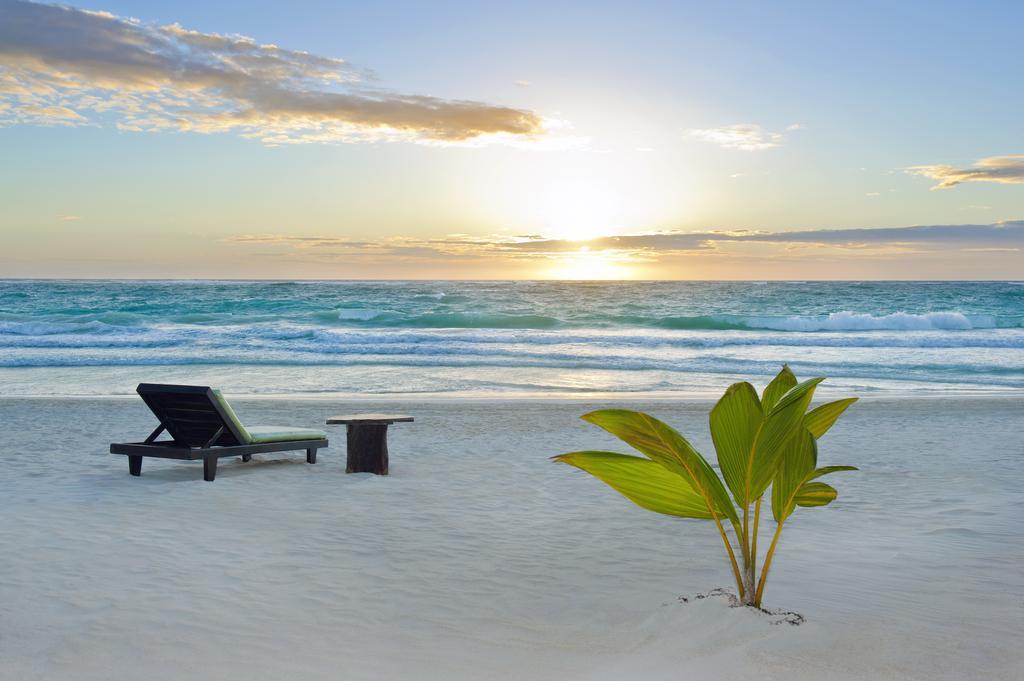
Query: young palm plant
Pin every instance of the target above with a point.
(761, 442)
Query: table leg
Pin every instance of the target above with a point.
(367, 448)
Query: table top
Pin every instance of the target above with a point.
(385, 419)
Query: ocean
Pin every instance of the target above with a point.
(482, 339)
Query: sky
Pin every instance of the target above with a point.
(527, 140)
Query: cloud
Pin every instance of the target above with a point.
(1002, 237)
(742, 136)
(53, 115)
(1009, 234)
(1007, 169)
(61, 65)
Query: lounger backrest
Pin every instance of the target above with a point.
(193, 414)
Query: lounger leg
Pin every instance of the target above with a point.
(135, 465)
(246, 457)
(209, 468)
(311, 455)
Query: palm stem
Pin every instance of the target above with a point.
(767, 564)
(753, 539)
(746, 535)
(732, 556)
(748, 575)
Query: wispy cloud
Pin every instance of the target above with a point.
(61, 65)
(742, 136)
(1005, 234)
(1007, 169)
(650, 248)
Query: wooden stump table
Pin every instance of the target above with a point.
(367, 440)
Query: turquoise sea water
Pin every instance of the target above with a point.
(482, 338)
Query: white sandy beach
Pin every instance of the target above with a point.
(479, 559)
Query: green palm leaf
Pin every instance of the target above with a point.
(815, 494)
(642, 481)
(736, 421)
(750, 443)
(780, 385)
(794, 469)
(820, 419)
(825, 470)
(793, 486)
(665, 446)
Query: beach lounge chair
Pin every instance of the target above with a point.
(202, 425)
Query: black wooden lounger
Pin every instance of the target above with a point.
(203, 425)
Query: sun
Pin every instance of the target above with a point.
(577, 210)
(585, 264)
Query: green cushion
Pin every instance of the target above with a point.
(229, 413)
(265, 434)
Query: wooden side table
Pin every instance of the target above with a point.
(367, 440)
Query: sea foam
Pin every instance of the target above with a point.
(896, 321)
